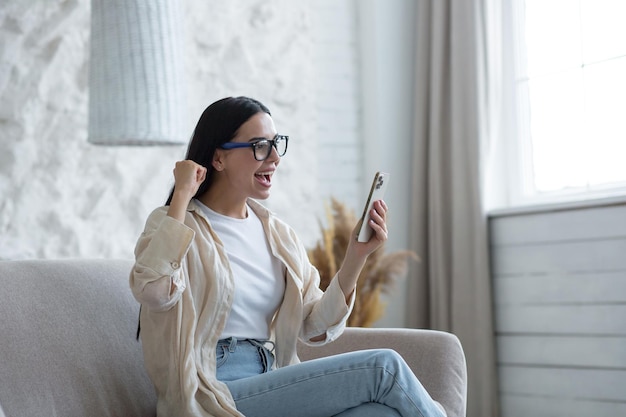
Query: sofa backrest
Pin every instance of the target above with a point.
(67, 344)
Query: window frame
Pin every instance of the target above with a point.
(517, 150)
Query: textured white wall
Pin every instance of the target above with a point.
(62, 197)
(338, 103)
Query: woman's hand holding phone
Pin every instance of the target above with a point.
(373, 226)
(377, 192)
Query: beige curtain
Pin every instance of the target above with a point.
(455, 109)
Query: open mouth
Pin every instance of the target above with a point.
(264, 178)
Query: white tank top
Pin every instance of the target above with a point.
(259, 276)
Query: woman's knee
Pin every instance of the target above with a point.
(390, 357)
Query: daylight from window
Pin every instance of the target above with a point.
(572, 77)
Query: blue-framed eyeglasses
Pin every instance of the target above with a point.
(262, 147)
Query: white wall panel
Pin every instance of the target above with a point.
(562, 351)
(523, 406)
(559, 281)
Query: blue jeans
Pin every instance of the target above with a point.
(368, 383)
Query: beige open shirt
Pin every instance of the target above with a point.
(180, 329)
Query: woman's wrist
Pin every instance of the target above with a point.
(178, 205)
(348, 274)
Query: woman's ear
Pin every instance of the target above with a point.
(218, 162)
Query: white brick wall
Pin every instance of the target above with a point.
(336, 61)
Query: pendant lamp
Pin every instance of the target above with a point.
(136, 89)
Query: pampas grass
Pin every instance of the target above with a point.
(379, 275)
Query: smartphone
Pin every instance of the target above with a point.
(377, 192)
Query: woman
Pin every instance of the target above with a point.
(226, 290)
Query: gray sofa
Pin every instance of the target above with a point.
(68, 347)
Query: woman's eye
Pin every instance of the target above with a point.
(261, 145)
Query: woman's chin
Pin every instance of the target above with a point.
(263, 195)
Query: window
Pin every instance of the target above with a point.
(570, 98)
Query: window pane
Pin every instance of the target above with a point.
(605, 116)
(558, 140)
(553, 35)
(604, 29)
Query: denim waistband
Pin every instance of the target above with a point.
(232, 343)
(266, 354)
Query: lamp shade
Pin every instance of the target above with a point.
(136, 88)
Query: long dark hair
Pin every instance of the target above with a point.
(218, 124)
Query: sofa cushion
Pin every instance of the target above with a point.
(68, 344)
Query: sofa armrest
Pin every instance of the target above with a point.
(436, 358)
